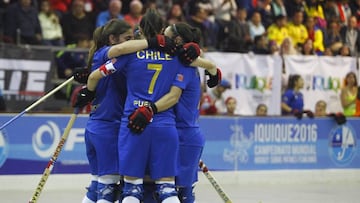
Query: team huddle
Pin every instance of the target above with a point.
(142, 131)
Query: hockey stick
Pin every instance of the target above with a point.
(213, 182)
(43, 98)
(54, 157)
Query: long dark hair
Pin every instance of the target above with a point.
(151, 23)
(101, 36)
(292, 80)
(186, 32)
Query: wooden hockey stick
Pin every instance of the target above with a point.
(54, 157)
(214, 183)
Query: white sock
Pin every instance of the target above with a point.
(103, 201)
(173, 199)
(131, 199)
(87, 200)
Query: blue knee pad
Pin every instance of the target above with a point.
(92, 191)
(165, 190)
(107, 191)
(186, 195)
(133, 190)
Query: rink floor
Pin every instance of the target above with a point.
(288, 186)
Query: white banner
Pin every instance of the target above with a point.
(323, 78)
(255, 79)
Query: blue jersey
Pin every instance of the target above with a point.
(187, 109)
(110, 95)
(149, 74)
(293, 99)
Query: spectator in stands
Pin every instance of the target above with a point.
(350, 36)
(293, 6)
(175, 15)
(330, 11)
(256, 28)
(343, 11)
(328, 52)
(348, 94)
(113, 12)
(316, 35)
(224, 10)
(50, 25)
(287, 47)
(296, 28)
(135, 13)
(261, 110)
(355, 9)
(314, 9)
(292, 101)
(213, 101)
(307, 48)
(344, 51)
(77, 23)
(320, 108)
(236, 38)
(278, 31)
(60, 6)
(264, 8)
(22, 23)
(261, 45)
(199, 14)
(332, 36)
(278, 8)
(274, 49)
(230, 103)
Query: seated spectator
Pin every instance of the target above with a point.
(230, 103)
(278, 31)
(297, 30)
(256, 27)
(213, 101)
(350, 35)
(344, 51)
(333, 37)
(261, 110)
(261, 45)
(77, 23)
(316, 35)
(320, 108)
(292, 101)
(50, 25)
(135, 14)
(274, 49)
(342, 11)
(314, 9)
(22, 23)
(307, 48)
(113, 12)
(293, 6)
(287, 47)
(175, 15)
(278, 8)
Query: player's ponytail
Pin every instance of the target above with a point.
(151, 24)
(98, 42)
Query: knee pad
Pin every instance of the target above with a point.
(186, 194)
(165, 190)
(133, 190)
(107, 192)
(92, 191)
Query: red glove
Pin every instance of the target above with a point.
(141, 117)
(189, 53)
(163, 44)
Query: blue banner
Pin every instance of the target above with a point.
(232, 143)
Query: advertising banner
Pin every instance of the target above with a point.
(232, 143)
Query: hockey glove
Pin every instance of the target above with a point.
(188, 53)
(141, 117)
(298, 114)
(81, 75)
(338, 117)
(213, 80)
(309, 113)
(84, 97)
(163, 44)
